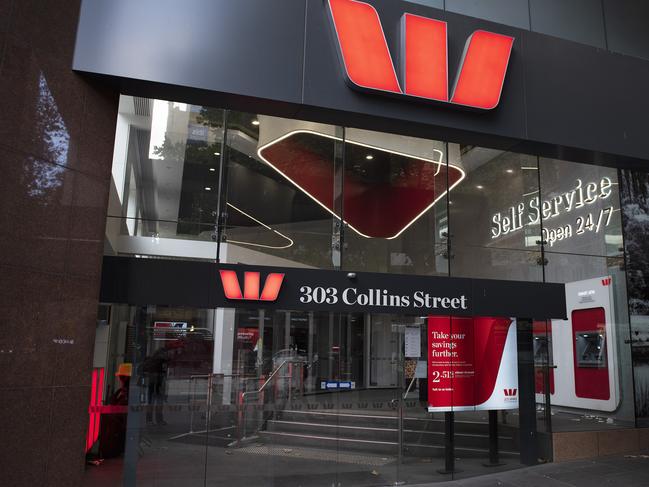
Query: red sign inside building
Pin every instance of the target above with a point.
(385, 192)
(472, 364)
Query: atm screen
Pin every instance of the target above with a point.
(590, 348)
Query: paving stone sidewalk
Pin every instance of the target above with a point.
(630, 470)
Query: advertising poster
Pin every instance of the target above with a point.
(472, 364)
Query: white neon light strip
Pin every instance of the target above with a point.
(439, 167)
(290, 241)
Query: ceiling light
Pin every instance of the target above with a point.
(255, 122)
(212, 169)
(217, 153)
(369, 157)
(510, 171)
(207, 188)
(479, 186)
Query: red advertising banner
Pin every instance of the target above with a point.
(472, 364)
(248, 336)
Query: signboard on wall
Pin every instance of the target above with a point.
(368, 65)
(586, 208)
(209, 285)
(472, 364)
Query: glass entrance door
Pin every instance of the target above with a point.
(257, 397)
(383, 353)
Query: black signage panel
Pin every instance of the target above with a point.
(251, 55)
(208, 285)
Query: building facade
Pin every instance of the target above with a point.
(340, 242)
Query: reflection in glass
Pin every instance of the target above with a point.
(53, 138)
(395, 192)
(580, 207)
(269, 219)
(494, 225)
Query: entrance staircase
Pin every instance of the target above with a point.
(378, 434)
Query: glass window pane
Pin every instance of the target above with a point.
(280, 191)
(395, 191)
(582, 230)
(165, 179)
(494, 217)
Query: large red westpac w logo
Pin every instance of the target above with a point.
(251, 286)
(424, 60)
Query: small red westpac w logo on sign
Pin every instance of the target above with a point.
(424, 72)
(606, 281)
(510, 392)
(251, 286)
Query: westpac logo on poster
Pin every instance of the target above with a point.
(251, 286)
(510, 394)
(368, 65)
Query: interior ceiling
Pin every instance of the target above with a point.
(382, 195)
(384, 192)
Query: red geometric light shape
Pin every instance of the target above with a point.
(367, 62)
(272, 287)
(383, 204)
(96, 398)
(251, 286)
(483, 68)
(426, 57)
(230, 282)
(363, 47)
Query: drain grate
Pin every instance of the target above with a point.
(316, 454)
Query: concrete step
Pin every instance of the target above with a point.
(339, 418)
(388, 448)
(434, 438)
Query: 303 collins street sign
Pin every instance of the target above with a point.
(209, 285)
(325, 290)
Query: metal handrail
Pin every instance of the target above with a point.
(270, 377)
(412, 381)
(205, 376)
(191, 393)
(244, 395)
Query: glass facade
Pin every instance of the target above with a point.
(635, 210)
(313, 398)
